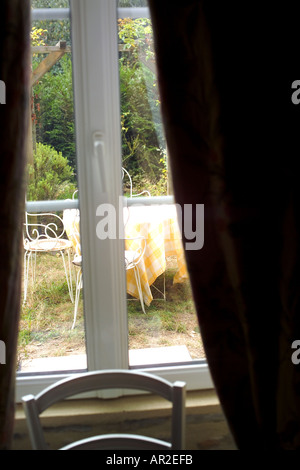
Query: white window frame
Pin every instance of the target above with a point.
(97, 106)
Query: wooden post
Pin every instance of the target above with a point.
(55, 53)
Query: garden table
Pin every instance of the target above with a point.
(158, 225)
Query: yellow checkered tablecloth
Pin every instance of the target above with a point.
(71, 221)
(158, 224)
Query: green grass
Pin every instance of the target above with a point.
(47, 316)
(167, 322)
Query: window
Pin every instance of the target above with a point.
(46, 341)
(96, 74)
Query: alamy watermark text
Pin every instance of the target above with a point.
(2, 92)
(2, 353)
(190, 221)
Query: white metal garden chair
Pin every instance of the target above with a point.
(132, 258)
(71, 220)
(134, 252)
(133, 255)
(111, 379)
(45, 233)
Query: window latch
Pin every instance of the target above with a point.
(99, 158)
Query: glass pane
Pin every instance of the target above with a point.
(47, 341)
(165, 329)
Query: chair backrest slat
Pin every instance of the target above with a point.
(112, 379)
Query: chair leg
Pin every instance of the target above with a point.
(77, 295)
(163, 293)
(33, 266)
(29, 261)
(138, 283)
(68, 276)
(26, 268)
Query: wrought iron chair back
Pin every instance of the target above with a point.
(45, 233)
(145, 192)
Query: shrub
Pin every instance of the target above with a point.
(49, 177)
(143, 140)
(55, 110)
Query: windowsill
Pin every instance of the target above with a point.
(137, 357)
(206, 427)
(204, 400)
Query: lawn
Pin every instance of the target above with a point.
(47, 316)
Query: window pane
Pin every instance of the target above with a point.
(47, 341)
(162, 323)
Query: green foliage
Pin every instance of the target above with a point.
(53, 95)
(50, 3)
(133, 3)
(143, 141)
(55, 110)
(55, 30)
(49, 177)
(137, 35)
(37, 36)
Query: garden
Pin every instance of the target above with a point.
(47, 315)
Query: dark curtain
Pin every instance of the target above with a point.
(14, 113)
(225, 74)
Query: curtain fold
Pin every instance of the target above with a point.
(225, 73)
(14, 113)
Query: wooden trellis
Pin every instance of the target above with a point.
(54, 54)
